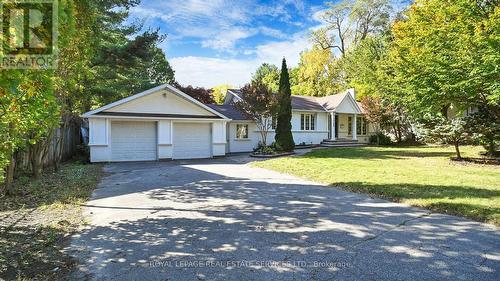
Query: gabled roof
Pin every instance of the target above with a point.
(167, 87)
(230, 111)
(308, 103)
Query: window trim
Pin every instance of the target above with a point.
(308, 122)
(237, 137)
(361, 126)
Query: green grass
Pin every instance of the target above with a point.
(418, 176)
(37, 219)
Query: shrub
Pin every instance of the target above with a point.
(381, 139)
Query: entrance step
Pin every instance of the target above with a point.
(341, 143)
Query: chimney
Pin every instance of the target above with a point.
(352, 93)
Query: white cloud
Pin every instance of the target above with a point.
(227, 39)
(208, 72)
(217, 24)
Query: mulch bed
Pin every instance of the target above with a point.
(271, 155)
(481, 161)
(306, 146)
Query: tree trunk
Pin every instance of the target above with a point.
(37, 153)
(457, 150)
(59, 143)
(491, 148)
(9, 175)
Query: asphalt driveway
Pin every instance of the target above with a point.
(221, 219)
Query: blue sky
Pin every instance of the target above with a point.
(224, 41)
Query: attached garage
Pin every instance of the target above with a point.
(192, 140)
(160, 123)
(133, 141)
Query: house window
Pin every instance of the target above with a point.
(307, 122)
(241, 131)
(273, 123)
(361, 125)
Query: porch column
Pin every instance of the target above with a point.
(354, 128)
(332, 117)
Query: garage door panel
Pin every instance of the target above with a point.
(133, 141)
(192, 140)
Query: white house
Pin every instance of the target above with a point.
(165, 123)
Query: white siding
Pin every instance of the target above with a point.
(98, 132)
(164, 139)
(100, 150)
(238, 145)
(161, 102)
(219, 138)
(315, 137)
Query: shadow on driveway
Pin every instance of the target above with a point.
(223, 220)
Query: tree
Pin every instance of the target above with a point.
(199, 93)
(124, 66)
(447, 52)
(260, 104)
(28, 112)
(317, 74)
(448, 131)
(369, 17)
(484, 126)
(219, 93)
(365, 67)
(377, 112)
(336, 34)
(348, 23)
(284, 137)
(269, 75)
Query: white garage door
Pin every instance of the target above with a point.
(192, 140)
(133, 141)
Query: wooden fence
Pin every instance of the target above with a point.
(71, 140)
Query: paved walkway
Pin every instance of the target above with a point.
(221, 219)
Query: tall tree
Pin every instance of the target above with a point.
(219, 93)
(448, 51)
(128, 66)
(350, 22)
(318, 73)
(336, 34)
(269, 75)
(284, 137)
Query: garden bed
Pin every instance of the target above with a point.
(305, 146)
(478, 160)
(272, 155)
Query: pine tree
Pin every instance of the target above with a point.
(284, 138)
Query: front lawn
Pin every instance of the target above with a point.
(37, 221)
(419, 176)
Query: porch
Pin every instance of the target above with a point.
(346, 127)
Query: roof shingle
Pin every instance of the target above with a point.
(230, 111)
